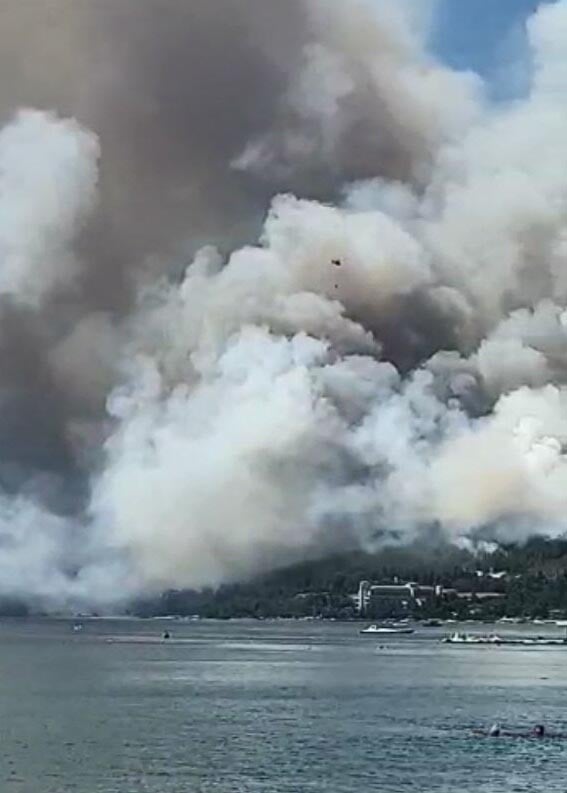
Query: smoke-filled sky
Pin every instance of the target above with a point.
(275, 280)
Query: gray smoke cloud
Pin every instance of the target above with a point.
(190, 394)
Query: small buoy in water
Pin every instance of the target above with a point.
(166, 635)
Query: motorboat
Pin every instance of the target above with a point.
(527, 641)
(468, 638)
(390, 630)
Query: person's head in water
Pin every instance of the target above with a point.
(539, 730)
(494, 731)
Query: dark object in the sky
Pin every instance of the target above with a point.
(336, 262)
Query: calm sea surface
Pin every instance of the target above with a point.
(273, 707)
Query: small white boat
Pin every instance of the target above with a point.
(527, 641)
(467, 638)
(385, 629)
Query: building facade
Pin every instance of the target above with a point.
(396, 600)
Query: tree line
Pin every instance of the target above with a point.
(535, 584)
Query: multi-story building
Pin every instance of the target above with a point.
(381, 600)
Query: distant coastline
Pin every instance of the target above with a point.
(527, 582)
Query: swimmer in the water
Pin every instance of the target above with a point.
(538, 731)
(494, 732)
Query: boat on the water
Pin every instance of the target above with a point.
(468, 638)
(527, 641)
(386, 629)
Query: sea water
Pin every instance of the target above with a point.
(243, 707)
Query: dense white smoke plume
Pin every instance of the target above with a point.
(48, 171)
(390, 355)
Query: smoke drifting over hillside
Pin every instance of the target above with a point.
(387, 353)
